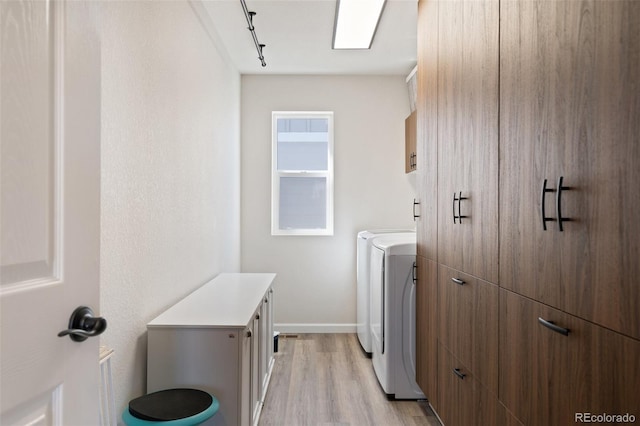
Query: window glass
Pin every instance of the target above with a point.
(303, 202)
(302, 173)
(302, 144)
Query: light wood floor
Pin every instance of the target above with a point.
(326, 379)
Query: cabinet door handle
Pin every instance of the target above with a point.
(543, 214)
(455, 198)
(458, 281)
(257, 316)
(413, 272)
(552, 326)
(460, 198)
(559, 203)
(248, 333)
(415, 203)
(459, 373)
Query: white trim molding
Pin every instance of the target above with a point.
(315, 328)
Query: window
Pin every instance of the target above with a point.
(302, 173)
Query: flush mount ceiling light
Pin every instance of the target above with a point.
(356, 23)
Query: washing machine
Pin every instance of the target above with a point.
(393, 314)
(363, 299)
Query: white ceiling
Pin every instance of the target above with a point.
(298, 35)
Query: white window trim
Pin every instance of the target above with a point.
(275, 174)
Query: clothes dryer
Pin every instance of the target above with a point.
(363, 298)
(393, 314)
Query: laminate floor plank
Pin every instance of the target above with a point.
(326, 380)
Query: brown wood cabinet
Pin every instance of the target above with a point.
(427, 328)
(462, 399)
(410, 156)
(426, 185)
(570, 96)
(468, 323)
(427, 130)
(546, 377)
(528, 92)
(468, 137)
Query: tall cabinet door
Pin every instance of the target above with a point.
(570, 108)
(427, 129)
(468, 137)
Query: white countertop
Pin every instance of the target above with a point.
(229, 300)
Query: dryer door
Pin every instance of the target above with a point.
(376, 277)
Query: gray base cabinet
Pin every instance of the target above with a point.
(218, 339)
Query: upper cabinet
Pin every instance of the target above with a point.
(570, 157)
(410, 159)
(467, 126)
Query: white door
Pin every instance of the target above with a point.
(49, 209)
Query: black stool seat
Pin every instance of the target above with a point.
(170, 404)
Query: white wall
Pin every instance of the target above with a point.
(316, 283)
(170, 171)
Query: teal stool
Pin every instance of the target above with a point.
(171, 407)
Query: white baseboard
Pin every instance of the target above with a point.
(315, 328)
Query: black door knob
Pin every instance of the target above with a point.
(83, 325)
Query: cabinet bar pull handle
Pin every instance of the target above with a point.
(458, 373)
(559, 203)
(415, 203)
(550, 325)
(460, 198)
(543, 214)
(413, 272)
(454, 208)
(458, 281)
